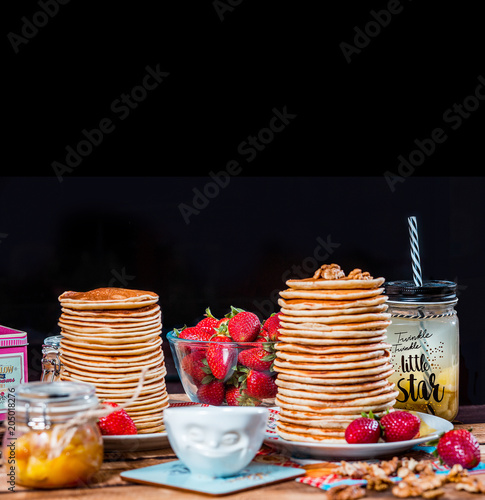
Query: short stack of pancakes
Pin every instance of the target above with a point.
(332, 359)
(109, 336)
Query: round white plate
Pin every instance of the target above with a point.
(300, 449)
(136, 442)
(143, 442)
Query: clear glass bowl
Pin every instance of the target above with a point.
(242, 379)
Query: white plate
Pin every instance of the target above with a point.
(300, 449)
(136, 442)
(143, 442)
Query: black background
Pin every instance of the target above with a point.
(328, 174)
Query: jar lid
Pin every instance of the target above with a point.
(53, 341)
(54, 401)
(430, 291)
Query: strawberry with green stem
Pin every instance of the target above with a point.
(211, 393)
(399, 425)
(364, 429)
(242, 326)
(209, 322)
(193, 333)
(271, 325)
(459, 446)
(235, 396)
(257, 384)
(259, 358)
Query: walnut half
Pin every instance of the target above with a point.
(471, 484)
(357, 274)
(426, 485)
(329, 272)
(344, 492)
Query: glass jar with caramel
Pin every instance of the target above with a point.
(50, 439)
(425, 346)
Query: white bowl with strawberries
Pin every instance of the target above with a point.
(228, 360)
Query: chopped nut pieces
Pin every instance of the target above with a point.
(379, 483)
(412, 485)
(418, 478)
(334, 272)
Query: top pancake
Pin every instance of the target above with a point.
(108, 298)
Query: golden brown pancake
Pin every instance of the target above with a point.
(309, 305)
(108, 298)
(295, 293)
(340, 284)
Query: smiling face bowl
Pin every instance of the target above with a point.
(216, 441)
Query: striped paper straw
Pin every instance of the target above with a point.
(413, 239)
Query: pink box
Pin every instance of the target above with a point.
(13, 364)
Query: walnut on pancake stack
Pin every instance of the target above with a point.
(109, 336)
(332, 359)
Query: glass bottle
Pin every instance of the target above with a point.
(50, 440)
(50, 359)
(425, 346)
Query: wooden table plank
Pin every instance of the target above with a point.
(109, 485)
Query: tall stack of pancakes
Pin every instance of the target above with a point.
(109, 336)
(332, 359)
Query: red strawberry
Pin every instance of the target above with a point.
(399, 426)
(194, 333)
(211, 393)
(220, 358)
(209, 323)
(193, 365)
(244, 326)
(271, 326)
(459, 446)
(363, 430)
(116, 423)
(236, 397)
(221, 321)
(258, 385)
(258, 358)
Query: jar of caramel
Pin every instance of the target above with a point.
(50, 439)
(425, 346)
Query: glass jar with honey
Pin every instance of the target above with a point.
(425, 346)
(50, 439)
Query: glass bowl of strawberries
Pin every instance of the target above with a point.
(227, 361)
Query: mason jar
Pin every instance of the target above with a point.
(425, 354)
(51, 365)
(50, 439)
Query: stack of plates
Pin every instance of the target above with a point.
(109, 336)
(332, 359)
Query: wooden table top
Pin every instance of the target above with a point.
(109, 485)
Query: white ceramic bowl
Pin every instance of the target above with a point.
(216, 441)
